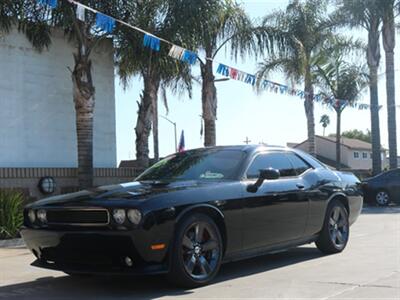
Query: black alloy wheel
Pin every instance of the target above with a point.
(338, 227)
(197, 252)
(334, 235)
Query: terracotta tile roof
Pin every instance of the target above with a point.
(350, 143)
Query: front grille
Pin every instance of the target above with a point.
(78, 216)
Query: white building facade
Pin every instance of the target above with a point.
(37, 115)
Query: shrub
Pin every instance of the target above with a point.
(11, 213)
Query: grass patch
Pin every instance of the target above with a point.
(11, 213)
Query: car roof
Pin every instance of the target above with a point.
(246, 148)
(251, 149)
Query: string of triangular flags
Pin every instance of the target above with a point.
(107, 24)
(279, 88)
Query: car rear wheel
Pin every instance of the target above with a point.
(382, 198)
(197, 252)
(335, 232)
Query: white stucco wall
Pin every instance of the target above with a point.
(326, 149)
(359, 163)
(37, 117)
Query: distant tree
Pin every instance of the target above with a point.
(325, 121)
(357, 134)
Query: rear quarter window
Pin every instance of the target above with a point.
(299, 165)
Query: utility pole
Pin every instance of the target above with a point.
(173, 123)
(247, 141)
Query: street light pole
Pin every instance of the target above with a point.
(173, 123)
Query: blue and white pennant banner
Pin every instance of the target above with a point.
(107, 24)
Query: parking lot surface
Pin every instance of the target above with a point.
(369, 268)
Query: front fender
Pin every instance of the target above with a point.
(198, 207)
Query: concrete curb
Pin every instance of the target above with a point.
(376, 209)
(12, 243)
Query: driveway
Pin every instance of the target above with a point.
(368, 268)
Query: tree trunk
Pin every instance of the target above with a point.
(84, 100)
(145, 118)
(338, 136)
(388, 34)
(309, 108)
(209, 103)
(373, 58)
(155, 128)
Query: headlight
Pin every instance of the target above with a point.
(41, 215)
(119, 216)
(32, 216)
(134, 216)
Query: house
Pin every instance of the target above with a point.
(37, 115)
(355, 154)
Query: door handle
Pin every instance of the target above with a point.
(300, 186)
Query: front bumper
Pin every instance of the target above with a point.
(94, 251)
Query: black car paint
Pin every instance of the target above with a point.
(281, 214)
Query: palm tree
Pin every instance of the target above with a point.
(157, 69)
(367, 15)
(325, 121)
(343, 83)
(306, 30)
(7, 15)
(37, 23)
(217, 24)
(388, 38)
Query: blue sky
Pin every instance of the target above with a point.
(267, 117)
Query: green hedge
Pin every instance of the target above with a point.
(11, 213)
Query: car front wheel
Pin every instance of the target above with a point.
(197, 252)
(335, 232)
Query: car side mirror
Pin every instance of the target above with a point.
(265, 174)
(269, 174)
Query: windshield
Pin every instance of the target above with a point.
(207, 164)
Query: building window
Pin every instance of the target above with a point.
(370, 155)
(356, 155)
(365, 155)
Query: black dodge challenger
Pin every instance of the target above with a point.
(194, 210)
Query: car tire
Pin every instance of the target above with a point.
(335, 232)
(196, 253)
(382, 198)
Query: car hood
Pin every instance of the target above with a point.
(129, 191)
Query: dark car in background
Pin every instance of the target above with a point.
(382, 189)
(194, 210)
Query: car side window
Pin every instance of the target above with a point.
(299, 165)
(276, 160)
